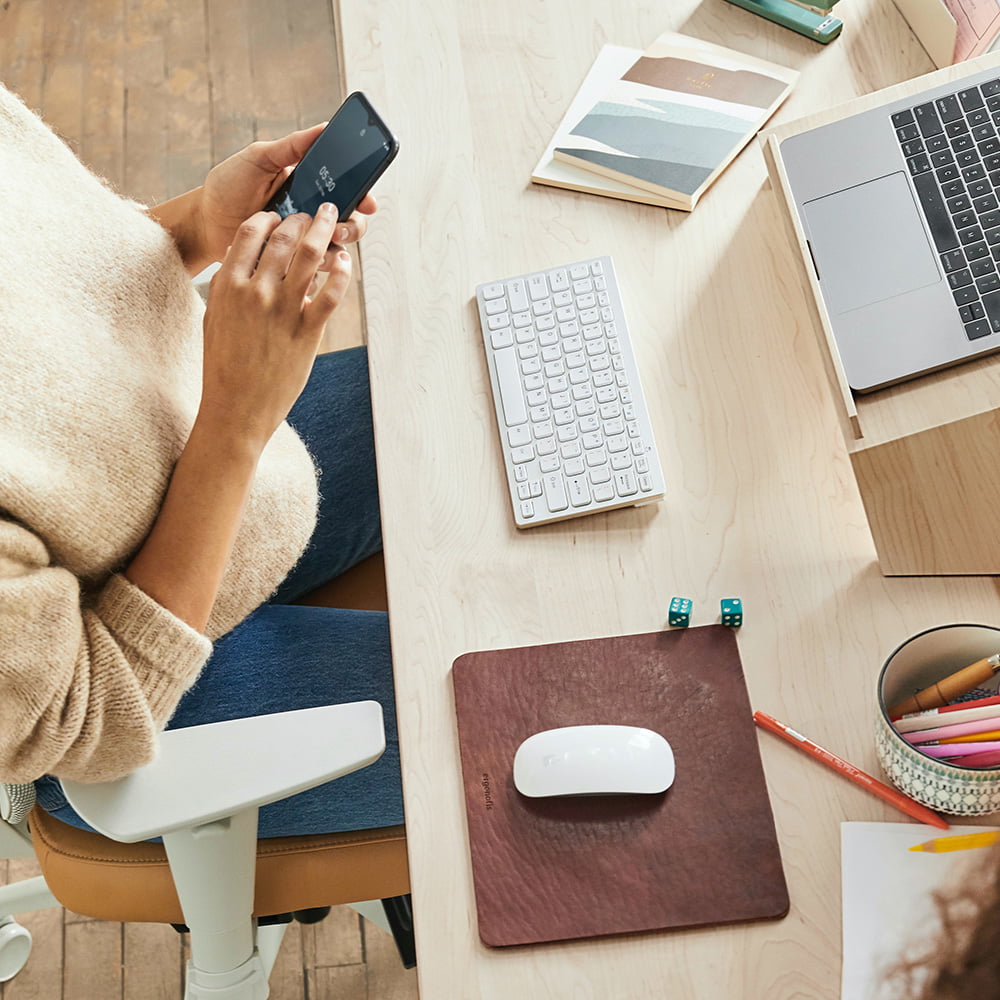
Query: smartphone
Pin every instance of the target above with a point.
(341, 166)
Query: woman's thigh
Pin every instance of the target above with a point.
(333, 417)
(286, 658)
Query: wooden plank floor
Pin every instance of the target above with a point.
(151, 93)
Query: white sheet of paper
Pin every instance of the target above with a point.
(888, 908)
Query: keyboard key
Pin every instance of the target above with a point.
(510, 387)
(579, 491)
(538, 287)
(957, 279)
(938, 143)
(942, 231)
(555, 491)
(953, 260)
(991, 303)
(901, 118)
(948, 108)
(991, 88)
(927, 119)
(970, 99)
(625, 484)
(965, 295)
(972, 312)
(517, 294)
(981, 328)
(558, 280)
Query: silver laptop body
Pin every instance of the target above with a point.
(909, 275)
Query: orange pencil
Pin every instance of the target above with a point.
(859, 777)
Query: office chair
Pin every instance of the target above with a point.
(210, 874)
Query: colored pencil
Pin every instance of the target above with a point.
(943, 733)
(957, 706)
(991, 758)
(945, 717)
(961, 842)
(957, 749)
(859, 777)
(993, 734)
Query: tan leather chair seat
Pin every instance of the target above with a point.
(96, 877)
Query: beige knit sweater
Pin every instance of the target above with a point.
(100, 334)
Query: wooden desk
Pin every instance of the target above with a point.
(761, 501)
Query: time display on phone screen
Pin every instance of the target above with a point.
(341, 165)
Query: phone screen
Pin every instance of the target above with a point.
(341, 165)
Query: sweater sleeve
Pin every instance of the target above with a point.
(85, 685)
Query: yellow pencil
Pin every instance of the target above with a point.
(972, 738)
(963, 842)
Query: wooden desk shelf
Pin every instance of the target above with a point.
(925, 453)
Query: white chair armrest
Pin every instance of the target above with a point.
(205, 773)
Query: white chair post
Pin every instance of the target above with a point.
(213, 868)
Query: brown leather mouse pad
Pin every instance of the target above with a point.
(703, 852)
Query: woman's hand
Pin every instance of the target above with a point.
(262, 327)
(243, 184)
(204, 221)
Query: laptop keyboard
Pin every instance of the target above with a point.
(952, 150)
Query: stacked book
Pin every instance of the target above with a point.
(659, 126)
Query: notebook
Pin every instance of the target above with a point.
(902, 224)
(675, 118)
(704, 852)
(611, 62)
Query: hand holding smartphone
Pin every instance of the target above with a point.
(341, 166)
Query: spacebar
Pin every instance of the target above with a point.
(937, 213)
(509, 380)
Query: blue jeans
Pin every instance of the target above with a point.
(284, 657)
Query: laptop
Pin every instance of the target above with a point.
(900, 206)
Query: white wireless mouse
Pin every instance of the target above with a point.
(593, 760)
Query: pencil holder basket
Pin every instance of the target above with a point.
(920, 661)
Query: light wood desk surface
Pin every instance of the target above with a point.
(760, 504)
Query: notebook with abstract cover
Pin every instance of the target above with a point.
(677, 117)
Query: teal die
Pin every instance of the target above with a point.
(732, 612)
(680, 612)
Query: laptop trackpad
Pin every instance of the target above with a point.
(869, 243)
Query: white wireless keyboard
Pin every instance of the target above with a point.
(573, 424)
